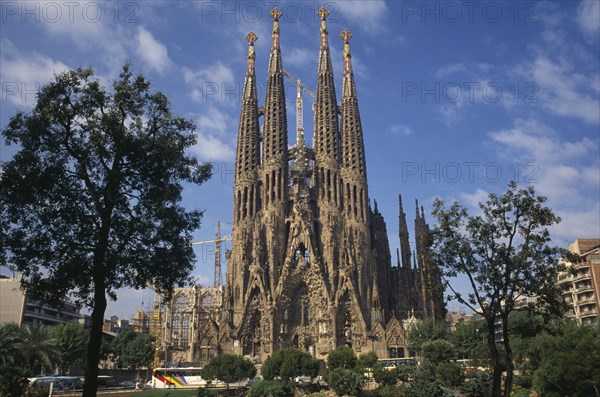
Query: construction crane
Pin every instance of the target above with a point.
(217, 242)
(299, 107)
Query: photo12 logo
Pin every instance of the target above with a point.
(69, 11)
(469, 171)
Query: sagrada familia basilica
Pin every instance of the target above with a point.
(310, 264)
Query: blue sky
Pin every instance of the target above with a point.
(457, 98)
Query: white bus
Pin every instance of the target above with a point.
(163, 378)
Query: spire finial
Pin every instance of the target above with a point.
(275, 14)
(323, 13)
(251, 37)
(346, 35)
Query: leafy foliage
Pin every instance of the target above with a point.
(505, 254)
(228, 368)
(90, 203)
(39, 348)
(345, 381)
(11, 344)
(367, 360)
(569, 363)
(438, 351)
(275, 388)
(385, 376)
(289, 363)
(425, 331)
(342, 357)
(132, 350)
(139, 352)
(449, 374)
(71, 341)
(468, 338)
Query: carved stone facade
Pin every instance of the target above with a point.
(310, 263)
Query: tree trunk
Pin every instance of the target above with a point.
(90, 385)
(495, 356)
(508, 359)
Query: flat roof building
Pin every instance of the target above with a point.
(16, 306)
(580, 282)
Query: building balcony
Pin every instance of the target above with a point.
(581, 265)
(564, 279)
(588, 313)
(583, 301)
(584, 288)
(583, 276)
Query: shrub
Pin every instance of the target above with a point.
(345, 381)
(385, 376)
(449, 374)
(275, 388)
(342, 357)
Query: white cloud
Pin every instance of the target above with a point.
(213, 148)
(216, 135)
(23, 74)
(299, 57)
(153, 52)
(212, 83)
(563, 92)
(400, 129)
(367, 14)
(565, 171)
(588, 17)
(472, 200)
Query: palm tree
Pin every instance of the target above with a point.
(39, 348)
(11, 344)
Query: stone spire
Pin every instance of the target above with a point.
(275, 122)
(247, 155)
(403, 231)
(326, 117)
(354, 170)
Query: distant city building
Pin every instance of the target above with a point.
(115, 325)
(453, 318)
(17, 306)
(580, 283)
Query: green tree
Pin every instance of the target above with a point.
(13, 373)
(438, 351)
(139, 352)
(367, 360)
(228, 368)
(467, 337)
(274, 388)
(118, 346)
(39, 348)
(569, 363)
(71, 341)
(505, 253)
(90, 203)
(289, 363)
(11, 344)
(385, 376)
(449, 374)
(345, 381)
(426, 331)
(342, 357)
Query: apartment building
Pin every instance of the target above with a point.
(580, 282)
